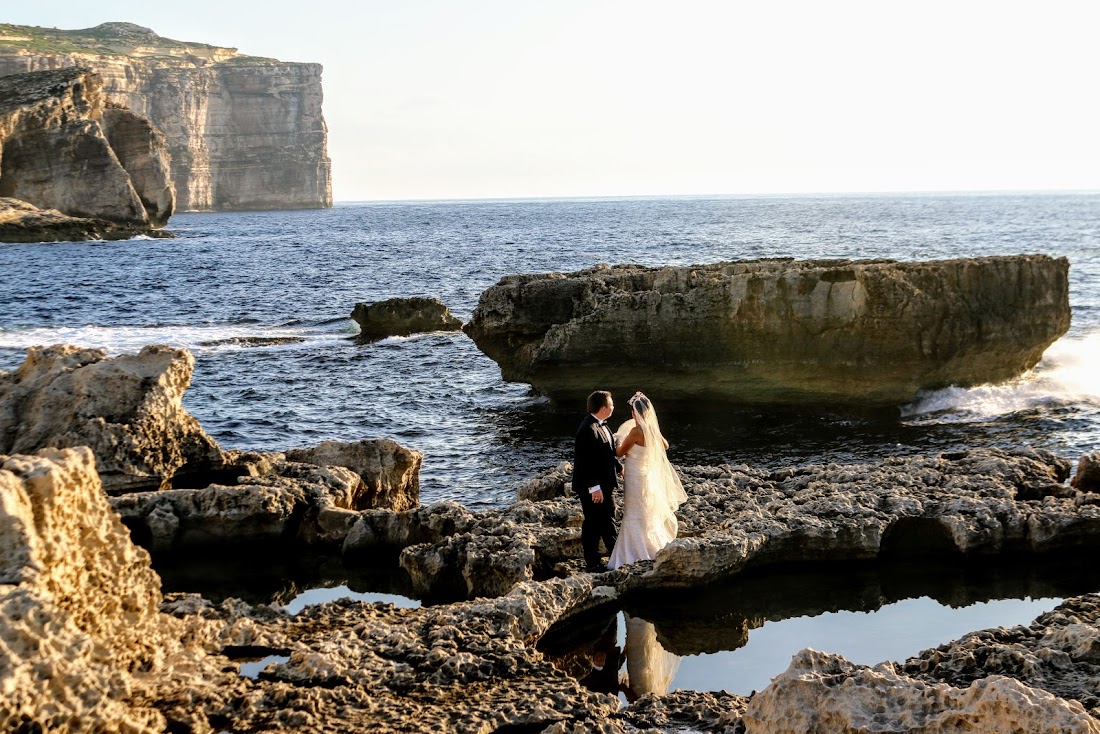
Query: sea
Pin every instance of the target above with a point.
(262, 300)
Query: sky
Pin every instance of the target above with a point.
(427, 99)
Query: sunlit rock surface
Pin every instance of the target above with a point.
(242, 132)
(289, 504)
(79, 599)
(1059, 652)
(822, 692)
(63, 148)
(402, 317)
(83, 646)
(983, 502)
(863, 333)
(127, 409)
(389, 473)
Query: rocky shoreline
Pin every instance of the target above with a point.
(80, 599)
(464, 666)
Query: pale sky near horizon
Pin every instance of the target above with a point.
(427, 99)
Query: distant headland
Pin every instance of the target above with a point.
(243, 132)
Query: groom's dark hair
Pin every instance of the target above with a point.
(597, 400)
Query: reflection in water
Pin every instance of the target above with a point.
(597, 662)
(253, 668)
(283, 579)
(737, 636)
(649, 667)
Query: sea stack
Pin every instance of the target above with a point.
(826, 332)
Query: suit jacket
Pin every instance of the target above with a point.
(594, 459)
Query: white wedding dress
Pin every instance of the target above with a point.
(649, 667)
(651, 494)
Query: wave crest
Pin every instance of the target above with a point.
(1066, 374)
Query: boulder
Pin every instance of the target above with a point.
(1087, 478)
(550, 485)
(827, 332)
(290, 504)
(823, 692)
(127, 409)
(402, 317)
(389, 473)
(58, 151)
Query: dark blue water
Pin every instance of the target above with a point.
(299, 274)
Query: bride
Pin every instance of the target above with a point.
(651, 489)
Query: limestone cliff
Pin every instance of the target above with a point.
(243, 132)
(776, 331)
(63, 148)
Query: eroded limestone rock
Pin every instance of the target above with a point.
(402, 317)
(58, 151)
(76, 595)
(23, 222)
(983, 502)
(775, 331)
(550, 485)
(290, 504)
(823, 692)
(389, 473)
(1058, 652)
(83, 646)
(242, 132)
(128, 409)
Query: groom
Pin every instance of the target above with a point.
(595, 476)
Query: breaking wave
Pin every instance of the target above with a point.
(1067, 374)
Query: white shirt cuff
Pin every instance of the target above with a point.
(593, 490)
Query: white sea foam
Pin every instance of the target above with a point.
(198, 339)
(1068, 373)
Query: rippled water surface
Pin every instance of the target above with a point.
(230, 278)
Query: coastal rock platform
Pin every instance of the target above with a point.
(828, 332)
(78, 596)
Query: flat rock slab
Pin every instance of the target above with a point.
(865, 333)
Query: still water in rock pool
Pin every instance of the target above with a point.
(739, 636)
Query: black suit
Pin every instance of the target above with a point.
(594, 463)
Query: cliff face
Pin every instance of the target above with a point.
(243, 132)
(776, 331)
(61, 148)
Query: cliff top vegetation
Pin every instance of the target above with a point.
(112, 39)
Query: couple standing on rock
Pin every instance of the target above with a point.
(651, 489)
